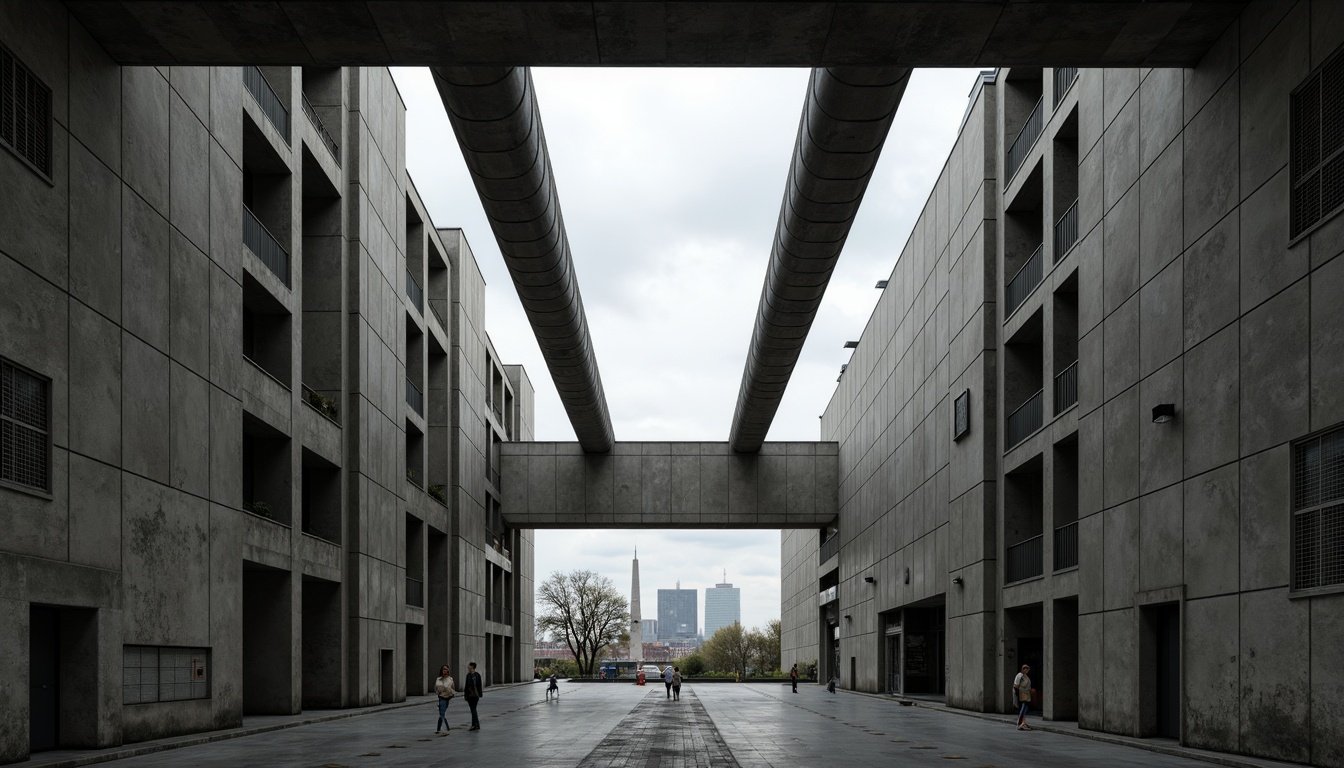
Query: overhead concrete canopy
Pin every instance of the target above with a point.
(669, 485)
(635, 33)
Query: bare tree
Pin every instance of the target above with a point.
(583, 609)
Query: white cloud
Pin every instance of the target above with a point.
(671, 182)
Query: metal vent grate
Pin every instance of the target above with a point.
(1318, 519)
(25, 117)
(23, 427)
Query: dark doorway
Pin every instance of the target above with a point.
(893, 657)
(924, 651)
(853, 674)
(44, 664)
(1031, 651)
(1167, 622)
(389, 675)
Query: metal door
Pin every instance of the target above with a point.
(44, 704)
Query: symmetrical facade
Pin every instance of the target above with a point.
(1095, 422)
(251, 418)
(723, 607)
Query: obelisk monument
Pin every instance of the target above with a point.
(636, 634)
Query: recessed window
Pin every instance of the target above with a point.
(25, 437)
(151, 674)
(1317, 147)
(1318, 511)
(25, 113)
(961, 415)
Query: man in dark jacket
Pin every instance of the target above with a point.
(473, 692)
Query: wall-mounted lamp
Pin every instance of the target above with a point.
(869, 579)
(848, 617)
(956, 580)
(881, 284)
(1164, 412)
(907, 575)
(851, 345)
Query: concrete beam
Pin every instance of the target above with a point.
(495, 115)
(845, 122)
(669, 485)
(676, 33)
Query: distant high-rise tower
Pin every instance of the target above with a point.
(636, 632)
(678, 617)
(723, 606)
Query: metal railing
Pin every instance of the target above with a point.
(1024, 560)
(414, 292)
(1024, 282)
(499, 614)
(1066, 546)
(1066, 388)
(829, 548)
(270, 104)
(1064, 77)
(1026, 138)
(260, 241)
(415, 592)
(414, 398)
(1066, 231)
(440, 309)
(332, 146)
(322, 404)
(1023, 421)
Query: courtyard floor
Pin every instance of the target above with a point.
(617, 725)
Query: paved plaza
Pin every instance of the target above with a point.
(610, 725)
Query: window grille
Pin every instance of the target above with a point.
(25, 113)
(1318, 511)
(24, 437)
(1317, 147)
(150, 674)
(961, 416)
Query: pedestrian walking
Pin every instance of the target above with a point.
(444, 688)
(793, 676)
(1022, 692)
(554, 687)
(676, 683)
(830, 684)
(473, 690)
(667, 679)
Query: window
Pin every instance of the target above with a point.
(961, 415)
(25, 113)
(1317, 147)
(1318, 511)
(151, 673)
(25, 439)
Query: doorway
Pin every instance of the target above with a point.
(1167, 652)
(44, 678)
(387, 663)
(1031, 651)
(894, 662)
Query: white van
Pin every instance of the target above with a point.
(651, 671)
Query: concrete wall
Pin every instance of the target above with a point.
(126, 278)
(669, 485)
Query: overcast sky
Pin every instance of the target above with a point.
(671, 182)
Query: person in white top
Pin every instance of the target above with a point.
(444, 687)
(1022, 692)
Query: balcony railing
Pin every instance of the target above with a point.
(332, 146)
(415, 592)
(1024, 560)
(1023, 283)
(322, 404)
(499, 614)
(1023, 421)
(270, 104)
(1066, 546)
(1026, 138)
(440, 309)
(1066, 231)
(828, 595)
(414, 292)
(1064, 77)
(414, 398)
(260, 241)
(1066, 388)
(829, 548)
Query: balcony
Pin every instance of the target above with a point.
(270, 104)
(322, 404)
(332, 146)
(440, 309)
(1066, 546)
(415, 592)
(1023, 421)
(414, 398)
(1024, 560)
(1066, 231)
(828, 595)
(261, 242)
(415, 293)
(1023, 283)
(1066, 388)
(829, 548)
(1026, 139)
(499, 614)
(1064, 77)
